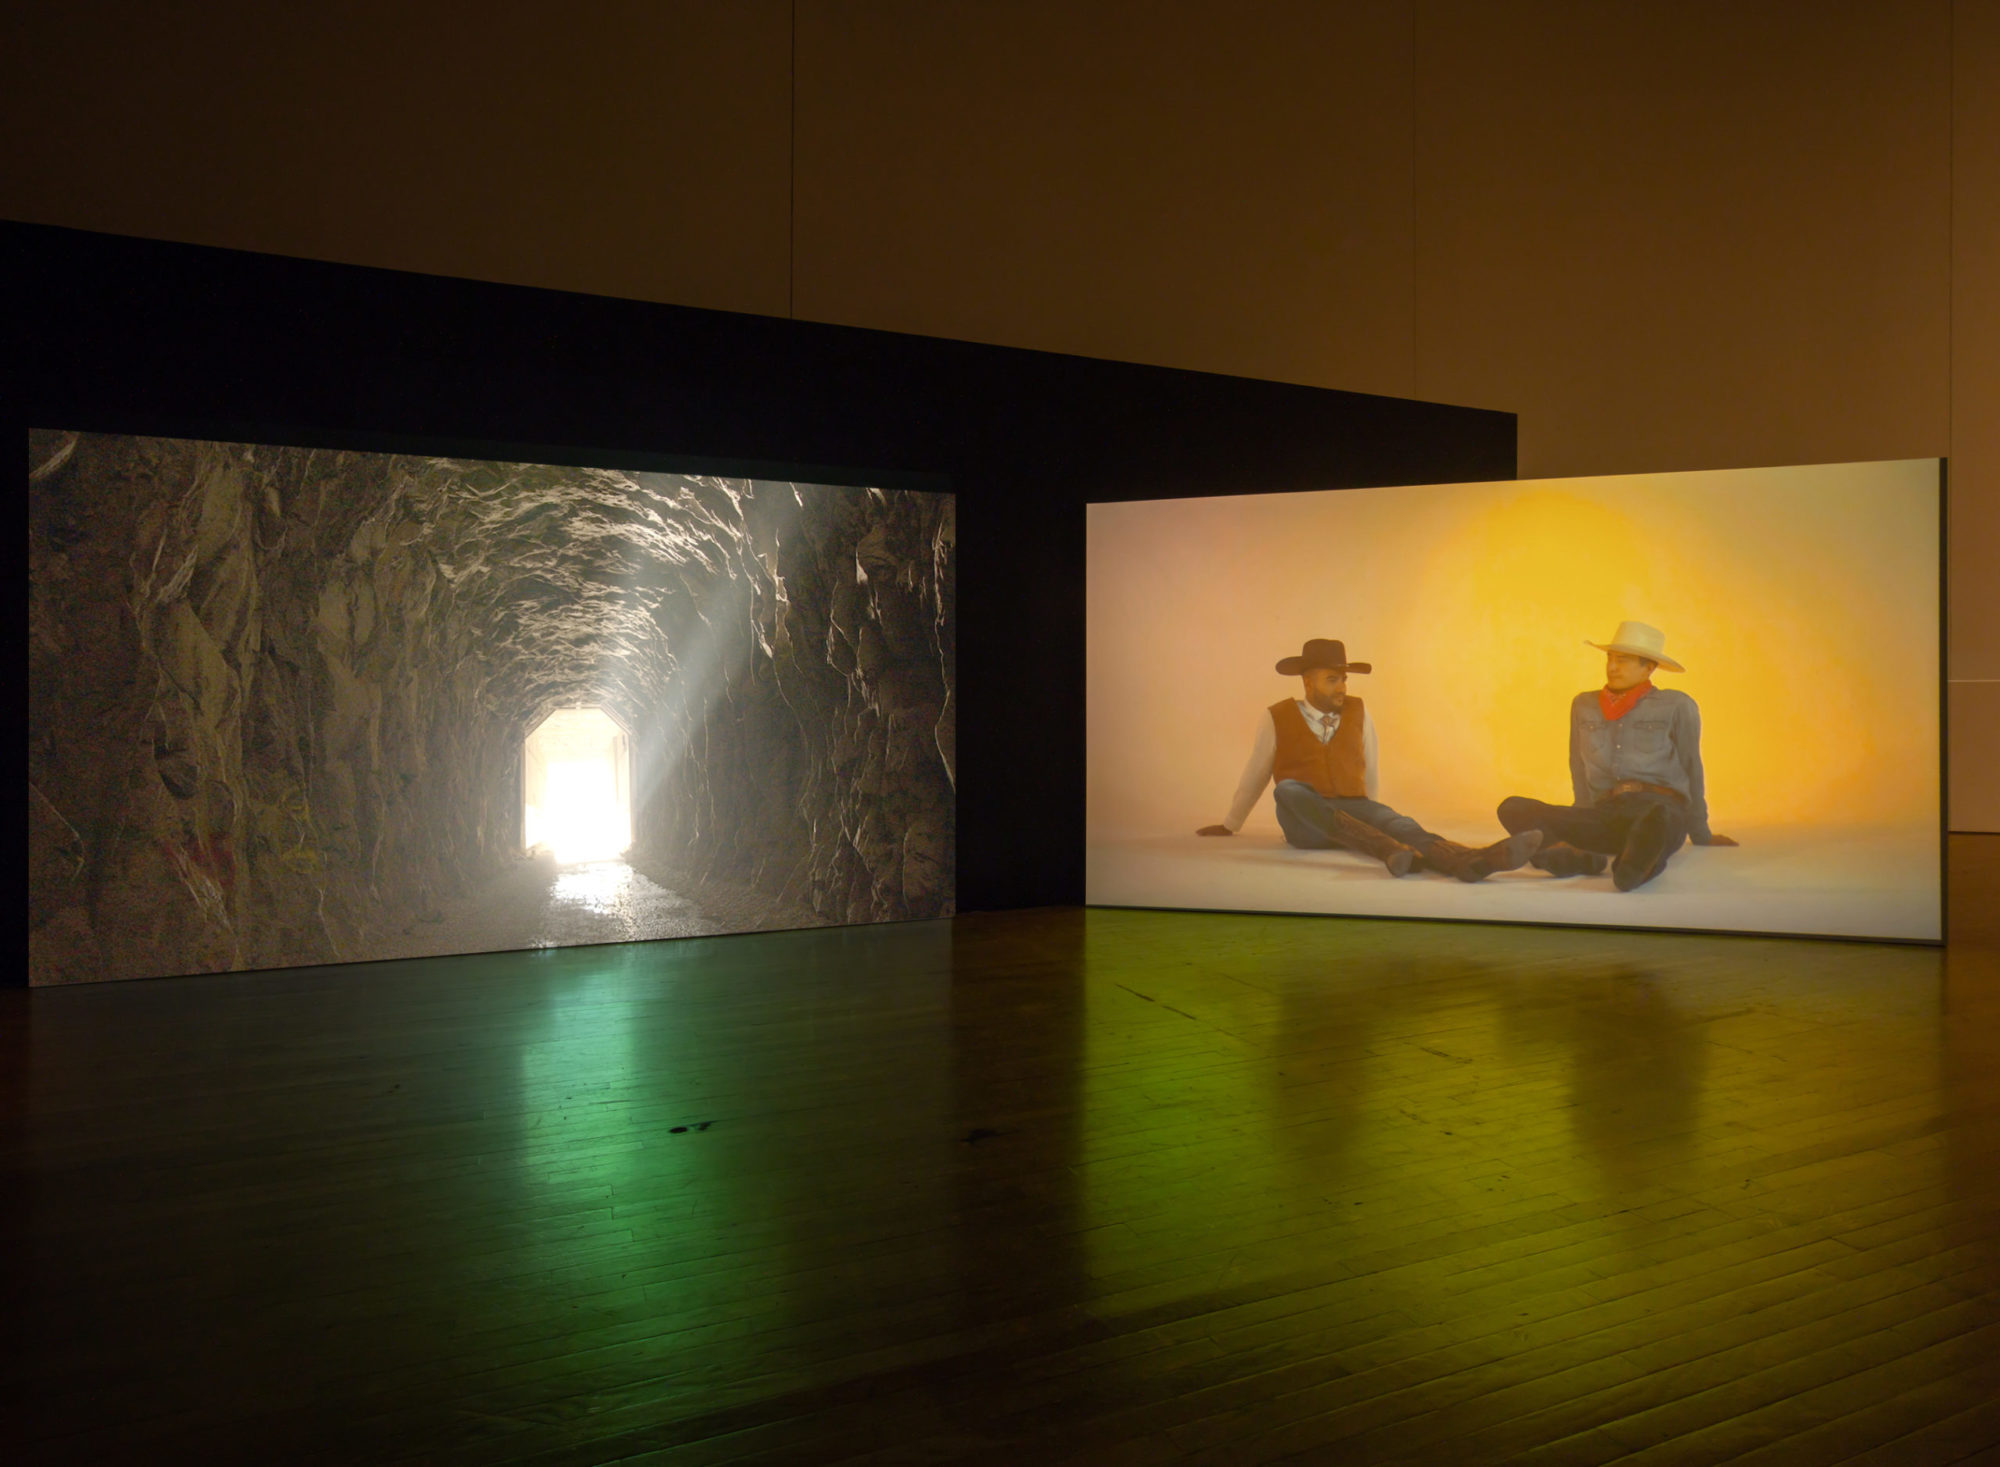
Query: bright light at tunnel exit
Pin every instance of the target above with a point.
(584, 822)
(576, 795)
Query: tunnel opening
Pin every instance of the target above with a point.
(576, 786)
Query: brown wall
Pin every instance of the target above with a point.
(1668, 233)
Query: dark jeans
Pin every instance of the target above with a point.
(1601, 827)
(1305, 815)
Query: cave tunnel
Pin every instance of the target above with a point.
(298, 705)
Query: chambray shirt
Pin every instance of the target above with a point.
(1658, 742)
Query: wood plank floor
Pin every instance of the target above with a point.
(1093, 1187)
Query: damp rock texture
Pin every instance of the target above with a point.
(278, 695)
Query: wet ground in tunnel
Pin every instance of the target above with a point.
(538, 903)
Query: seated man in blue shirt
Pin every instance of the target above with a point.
(1634, 769)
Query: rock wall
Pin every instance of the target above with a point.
(277, 695)
(816, 762)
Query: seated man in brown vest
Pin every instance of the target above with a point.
(1321, 750)
(1636, 781)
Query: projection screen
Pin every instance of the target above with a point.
(296, 705)
(1695, 700)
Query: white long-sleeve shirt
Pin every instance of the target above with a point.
(1264, 752)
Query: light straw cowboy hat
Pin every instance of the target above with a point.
(1639, 640)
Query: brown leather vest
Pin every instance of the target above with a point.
(1335, 768)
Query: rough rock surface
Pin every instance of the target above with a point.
(277, 695)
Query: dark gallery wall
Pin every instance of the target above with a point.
(1668, 235)
(125, 335)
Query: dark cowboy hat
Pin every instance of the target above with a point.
(1321, 653)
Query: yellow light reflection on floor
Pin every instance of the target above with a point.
(1508, 1097)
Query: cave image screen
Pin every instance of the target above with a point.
(1693, 700)
(300, 705)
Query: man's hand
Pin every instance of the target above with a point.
(1225, 830)
(1717, 840)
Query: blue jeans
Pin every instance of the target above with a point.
(1305, 815)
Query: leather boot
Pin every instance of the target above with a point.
(1369, 841)
(1449, 858)
(1512, 853)
(1563, 859)
(1453, 859)
(1645, 854)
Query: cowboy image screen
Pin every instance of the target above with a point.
(298, 705)
(1695, 700)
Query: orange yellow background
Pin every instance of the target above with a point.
(1802, 601)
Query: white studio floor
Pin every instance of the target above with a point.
(1846, 883)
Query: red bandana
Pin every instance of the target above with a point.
(1617, 705)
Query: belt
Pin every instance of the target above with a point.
(1640, 787)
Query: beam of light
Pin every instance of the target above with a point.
(704, 658)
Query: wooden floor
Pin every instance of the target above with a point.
(1099, 1187)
